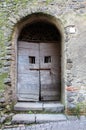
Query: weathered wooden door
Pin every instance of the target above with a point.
(28, 80)
(50, 75)
(38, 71)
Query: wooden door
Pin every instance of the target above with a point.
(38, 71)
(50, 71)
(28, 77)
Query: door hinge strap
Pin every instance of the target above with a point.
(40, 69)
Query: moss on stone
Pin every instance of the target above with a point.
(2, 77)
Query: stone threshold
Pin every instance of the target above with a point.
(37, 118)
(39, 106)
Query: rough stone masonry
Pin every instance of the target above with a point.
(72, 14)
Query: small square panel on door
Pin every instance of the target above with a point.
(47, 59)
(32, 59)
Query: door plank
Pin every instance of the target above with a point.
(50, 80)
(28, 81)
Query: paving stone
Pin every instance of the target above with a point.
(24, 106)
(49, 117)
(38, 118)
(23, 118)
(79, 124)
(83, 118)
(72, 118)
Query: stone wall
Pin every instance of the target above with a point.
(72, 14)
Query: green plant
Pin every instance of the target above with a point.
(80, 109)
(48, 1)
(30, 112)
(2, 77)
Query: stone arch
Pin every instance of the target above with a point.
(19, 26)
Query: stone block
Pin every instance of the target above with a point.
(8, 63)
(72, 117)
(80, 0)
(41, 118)
(8, 57)
(6, 69)
(70, 99)
(53, 107)
(2, 100)
(8, 48)
(71, 106)
(25, 106)
(69, 61)
(68, 83)
(2, 119)
(74, 0)
(7, 81)
(23, 118)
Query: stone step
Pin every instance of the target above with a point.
(39, 106)
(37, 118)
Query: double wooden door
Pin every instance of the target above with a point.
(39, 69)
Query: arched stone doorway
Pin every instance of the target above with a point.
(39, 61)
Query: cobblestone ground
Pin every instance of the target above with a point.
(73, 124)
